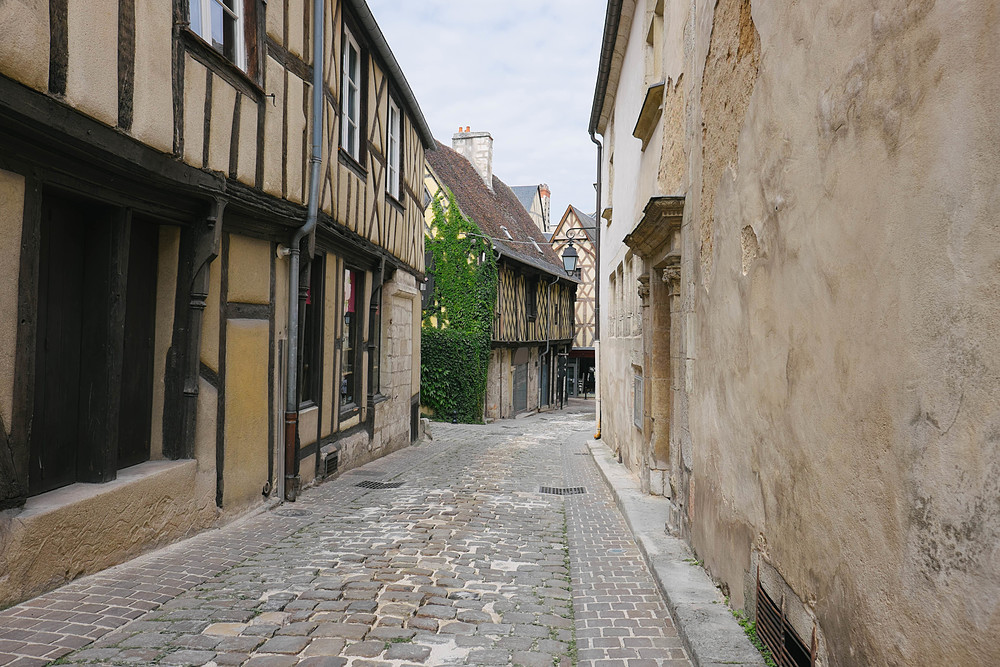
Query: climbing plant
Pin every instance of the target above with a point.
(458, 319)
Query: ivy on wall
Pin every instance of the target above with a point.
(458, 319)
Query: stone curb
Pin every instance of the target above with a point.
(709, 631)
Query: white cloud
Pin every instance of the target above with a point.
(520, 69)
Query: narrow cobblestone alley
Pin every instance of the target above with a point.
(465, 562)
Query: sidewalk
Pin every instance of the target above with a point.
(710, 632)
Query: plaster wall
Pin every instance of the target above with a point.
(629, 181)
(249, 270)
(11, 221)
(195, 86)
(246, 410)
(221, 126)
(153, 110)
(24, 49)
(246, 165)
(843, 301)
(92, 72)
(211, 316)
(166, 297)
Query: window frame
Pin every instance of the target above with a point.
(352, 353)
(312, 323)
(394, 151)
(347, 41)
(203, 29)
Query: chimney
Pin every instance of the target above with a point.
(477, 148)
(546, 195)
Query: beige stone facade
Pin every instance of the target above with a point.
(150, 184)
(800, 209)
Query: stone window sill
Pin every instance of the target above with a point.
(81, 492)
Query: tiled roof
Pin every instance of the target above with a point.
(493, 211)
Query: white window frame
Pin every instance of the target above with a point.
(394, 142)
(204, 7)
(350, 119)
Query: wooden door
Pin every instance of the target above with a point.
(520, 388)
(55, 423)
(136, 413)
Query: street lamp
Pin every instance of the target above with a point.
(569, 258)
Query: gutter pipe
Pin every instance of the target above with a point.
(597, 279)
(548, 342)
(316, 161)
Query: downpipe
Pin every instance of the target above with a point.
(597, 283)
(548, 342)
(315, 162)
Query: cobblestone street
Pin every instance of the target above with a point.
(465, 562)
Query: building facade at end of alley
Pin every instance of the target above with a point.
(157, 221)
(799, 303)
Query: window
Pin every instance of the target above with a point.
(220, 23)
(394, 143)
(637, 401)
(312, 336)
(531, 298)
(350, 97)
(349, 343)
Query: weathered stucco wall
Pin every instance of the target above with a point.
(843, 402)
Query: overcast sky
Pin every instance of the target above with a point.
(522, 70)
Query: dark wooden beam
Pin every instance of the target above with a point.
(126, 62)
(103, 334)
(58, 46)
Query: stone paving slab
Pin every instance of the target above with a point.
(711, 634)
(466, 563)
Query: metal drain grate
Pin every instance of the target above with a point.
(370, 484)
(777, 633)
(562, 490)
(292, 513)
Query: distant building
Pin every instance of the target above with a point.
(533, 330)
(581, 228)
(536, 201)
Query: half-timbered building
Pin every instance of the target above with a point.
(532, 329)
(156, 162)
(580, 229)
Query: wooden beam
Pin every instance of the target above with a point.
(103, 334)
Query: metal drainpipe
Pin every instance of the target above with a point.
(548, 340)
(316, 161)
(597, 278)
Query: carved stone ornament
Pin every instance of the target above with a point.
(672, 274)
(643, 288)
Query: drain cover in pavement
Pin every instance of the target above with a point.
(370, 484)
(562, 490)
(293, 513)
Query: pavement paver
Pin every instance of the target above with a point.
(466, 563)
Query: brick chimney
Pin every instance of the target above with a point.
(477, 148)
(546, 195)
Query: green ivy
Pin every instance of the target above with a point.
(458, 320)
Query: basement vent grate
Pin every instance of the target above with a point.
(371, 484)
(776, 632)
(332, 462)
(562, 490)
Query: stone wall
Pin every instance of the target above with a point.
(844, 286)
(834, 363)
